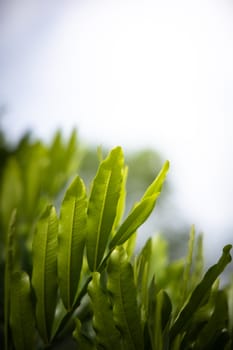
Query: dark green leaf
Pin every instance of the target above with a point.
(200, 292)
(157, 332)
(84, 343)
(216, 324)
(159, 315)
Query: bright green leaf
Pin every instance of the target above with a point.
(21, 312)
(124, 299)
(122, 198)
(187, 268)
(141, 268)
(198, 262)
(71, 239)
(44, 273)
(103, 205)
(107, 336)
(10, 192)
(73, 154)
(130, 244)
(157, 184)
(33, 165)
(141, 210)
(135, 219)
(9, 268)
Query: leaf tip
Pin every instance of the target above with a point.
(226, 250)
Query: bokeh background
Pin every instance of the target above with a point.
(152, 76)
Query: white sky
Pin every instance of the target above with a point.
(135, 73)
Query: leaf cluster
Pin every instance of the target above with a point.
(86, 283)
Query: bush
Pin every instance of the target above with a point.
(84, 288)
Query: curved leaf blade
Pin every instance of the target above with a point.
(141, 210)
(103, 205)
(200, 292)
(122, 198)
(71, 240)
(135, 219)
(124, 299)
(11, 192)
(21, 312)
(160, 308)
(82, 340)
(185, 287)
(218, 322)
(107, 336)
(9, 268)
(44, 273)
(198, 262)
(157, 184)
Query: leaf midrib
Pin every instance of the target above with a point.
(69, 253)
(124, 313)
(101, 218)
(20, 314)
(44, 282)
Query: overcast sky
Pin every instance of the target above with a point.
(136, 73)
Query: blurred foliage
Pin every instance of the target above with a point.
(32, 174)
(143, 165)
